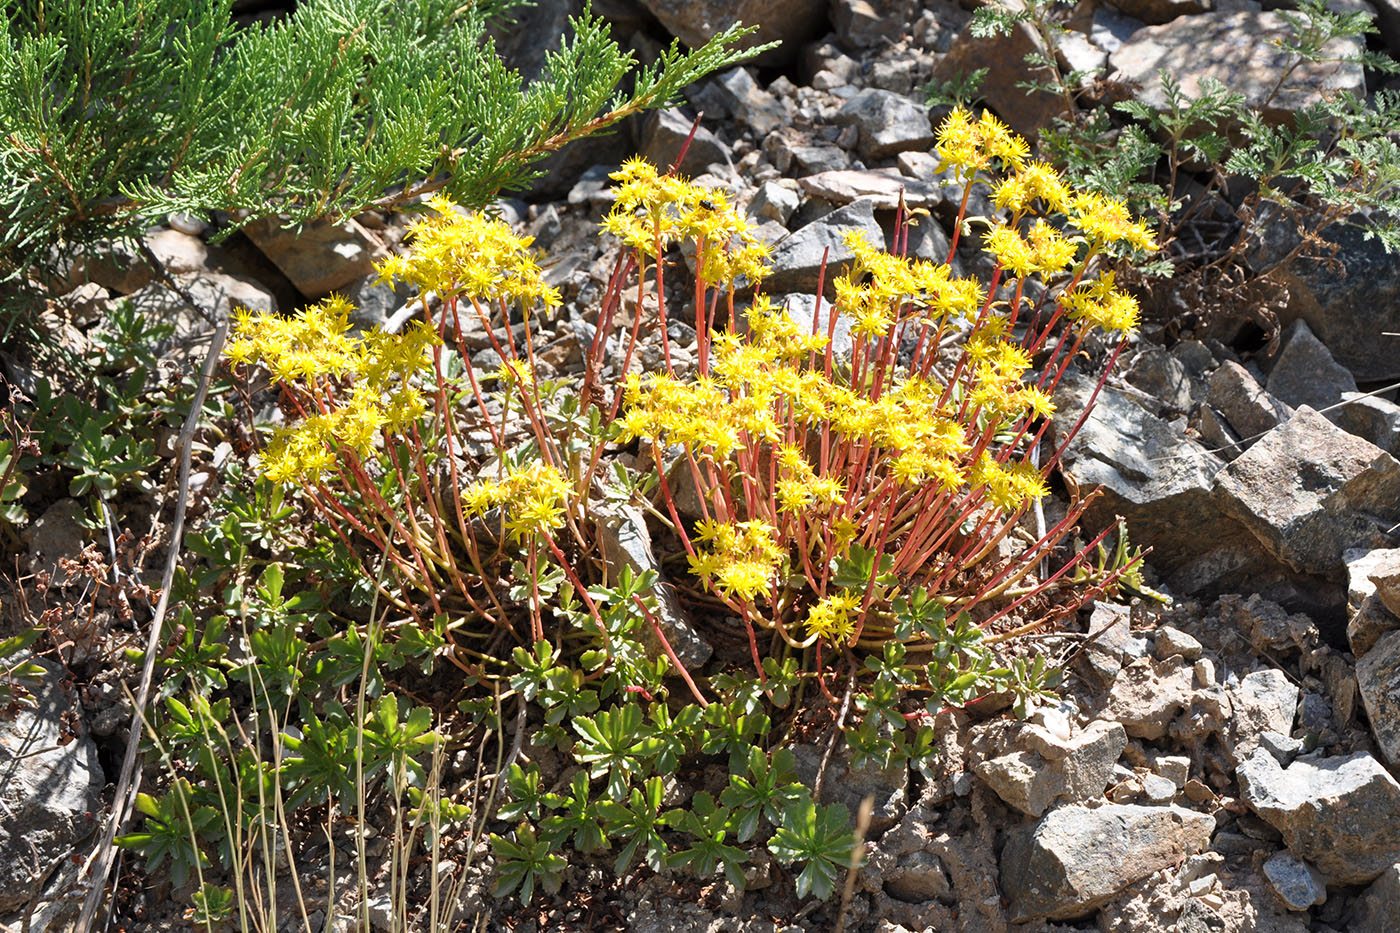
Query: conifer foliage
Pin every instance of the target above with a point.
(114, 113)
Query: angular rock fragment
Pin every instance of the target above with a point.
(796, 259)
(50, 796)
(1243, 403)
(1342, 814)
(883, 186)
(1076, 858)
(889, 123)
(1238, 48)
(1264, 701)
(1378, 681)
(1147, 696)
(1297, 883)
(1031, 782)
(1309, 491)
(665, 133)
(1306, 374)
(320, 257)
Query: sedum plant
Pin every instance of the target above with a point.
(865, 514)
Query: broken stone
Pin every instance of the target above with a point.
(1297, 883)
(1306, 374)
(1111, 642)
(748, 102)
(796, 259)
(1309, 491)
(1076, 858)
(1372, 417)
(625, 542)
(1243, 403)
(1030, 782)
(1170, 642)
(1377, 908)
(775, 201)
(848, 785)
(1342, 814)
(1240, 49)
(883, 186)
(1378, 681)
(1025, 111)
(1147, 696)
(1284, 748)
(1166, 379)
(666, 131)
(1264, 701)
(1156, 12)
(52, 789)
(1386, 579)
(791, 23)
(321, 257)
(862, 25)
(889, 123)
(1368, 623)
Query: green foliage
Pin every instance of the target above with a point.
(12, 486)
(172, 829)
(18, 673)
(819, 838)
(120, 112)
(525, 862)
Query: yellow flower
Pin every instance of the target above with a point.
(831, 618)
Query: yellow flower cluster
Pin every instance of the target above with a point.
(972, 144)
(533, 499)
(654, 210)
(1102, 305)
(737, 558)
(1033, 181)
(469, 255)
(1044, 250)
(831, 618)
(1106, 220)
(318, 358)
(801, 488)
(878, 283)
(1008, 486)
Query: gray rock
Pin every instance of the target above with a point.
(57, 535)
(889, 123)
(665, 132)
(178, 252)
(1076, 858)
(1297, 883)
(1166, 379)
(1376, 909)
(862, 25)
(1162, 11)
(775, 201)
(1111, 641)
(1219, 438)
(625, 542)
(1264, 701)
(1156, 479)
(1350, 301)
(883, 186)
(1284, 748)
(1367, 623)
(1030, 782)
(789, 22)
(1170, 642)
(1378, 681)
(1306, 374)
(1243, 403)
(1175, 768)
(1342, 814)
(796, 260)
(1148, 695)
(919, 877)
(1372, 417)
(375, 301)
(215, 296)
(51, 792)
(1111, 27)
(321, 257)
(1384, 575)
(1026, 112)
(1237, 48)
(802, 308)
(1309, 491)
(1074, 51)
(748, 102)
